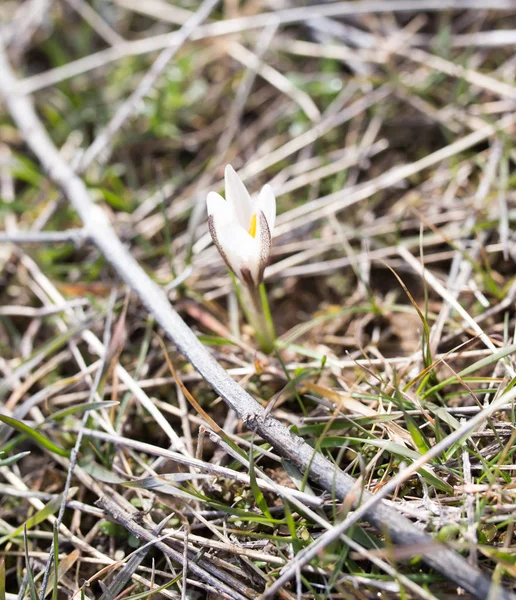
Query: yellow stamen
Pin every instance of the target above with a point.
(252, 226)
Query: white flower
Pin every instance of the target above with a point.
(242, 228)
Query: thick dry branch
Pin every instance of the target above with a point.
(396, 527)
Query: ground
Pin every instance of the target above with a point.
(127, 457)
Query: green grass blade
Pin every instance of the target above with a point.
(2, 579)
(49, 509)
(5, 462)
(415, 433)
(148, 594)
(480, 364)
(30, 577)
(38, 437)
(297, 544)
(257, 492)
(399, 450)
(81, 408)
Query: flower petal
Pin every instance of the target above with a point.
(263, 237)
(238, 197)
(215, 204)
(239, 250)
(267, 204)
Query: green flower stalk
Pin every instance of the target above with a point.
(241, 229)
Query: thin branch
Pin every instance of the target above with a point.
(76, 236)
(203, 466)
(399, 529)
(44, 311)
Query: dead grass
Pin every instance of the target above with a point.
(387, 137)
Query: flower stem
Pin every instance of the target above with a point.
(255, 305)
(269, 323)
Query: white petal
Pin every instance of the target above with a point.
(238, 197)
(263, 237)
(215, 204)
(267, 204)
(240, 251)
